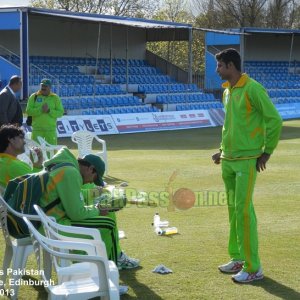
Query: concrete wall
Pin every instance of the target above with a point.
(10, 39)
(271, 47)
(63, 37)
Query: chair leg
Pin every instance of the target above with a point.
(7, 258)
(48, 265)
(19, 262)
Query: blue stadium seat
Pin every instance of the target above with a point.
(74, 79)
(89, 90)
(83, 90)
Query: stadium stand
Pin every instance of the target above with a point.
(86, 87)
(86, 90)
(280, 78)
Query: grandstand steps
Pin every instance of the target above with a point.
(77, 80)
(191, 106)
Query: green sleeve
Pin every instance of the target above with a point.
(58, 111)
(271, 117)
(69, 192)
(30, 109)
(19, 168)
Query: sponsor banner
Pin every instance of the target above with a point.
(173, 120)
(289, 110)
(217, 115)
(100, 125)
(143, 122)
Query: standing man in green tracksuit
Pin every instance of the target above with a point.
(44, 107)
(250, 134)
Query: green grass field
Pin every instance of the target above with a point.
(147, 161)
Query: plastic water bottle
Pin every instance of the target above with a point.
(156, 220)
(166, 231)
(163, 223)
(158, 230)
(169, 231)
(33, 152)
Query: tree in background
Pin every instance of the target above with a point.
(242, 13)
(176, 52)
(212, 14)
(282, 14)
(221, 14)
(130, 8)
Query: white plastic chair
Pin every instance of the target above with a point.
(66, 271)
(28, 135)
(87, 287)
(48, 149)
(26, 155)
(31, 143)
(2, 189)
(16, 250)
(84, 140)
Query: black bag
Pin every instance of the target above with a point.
(29, 118)
(29, 121)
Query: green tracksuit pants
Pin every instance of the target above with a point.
(108, 230)
(239, 178)
(49, 135)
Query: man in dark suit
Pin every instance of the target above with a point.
(10, 108)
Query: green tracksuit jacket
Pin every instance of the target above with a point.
(44, 123)
(11, 167)
(252, 126)
(65, 183)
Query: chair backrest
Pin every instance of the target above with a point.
(26, 155)
(57, 231)
(3, 220)
(48, 149)
(30, 143)
(4, 208)
(84, 140)
(61, 250)
(2, 189)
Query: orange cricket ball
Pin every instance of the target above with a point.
(184, 199)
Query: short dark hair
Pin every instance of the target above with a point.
(230, 55)
(8, 132)
(14, 79)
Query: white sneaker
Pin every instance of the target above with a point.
(234, 266)
(126, 262)
(244, 277)
(123, 289)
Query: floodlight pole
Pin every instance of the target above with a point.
(242, 48)
(291, 51)
(127, 71)
(24, 49)
(97, 56)
(190, 72)
(110, 53)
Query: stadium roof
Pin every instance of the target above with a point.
(156, 30)
(134, 22)
(269, 30)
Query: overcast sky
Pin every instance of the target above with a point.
(12, 3)
(16, 3)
